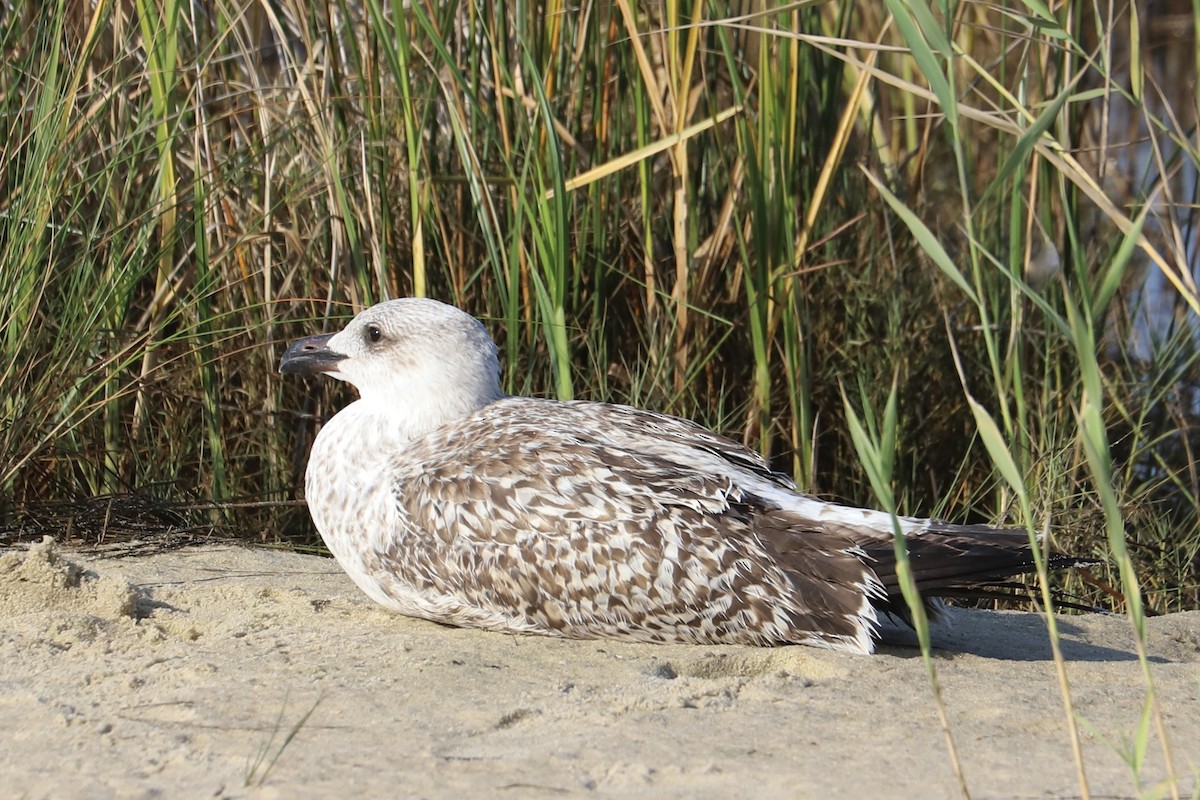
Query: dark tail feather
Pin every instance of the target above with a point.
(1019, 591)
(959, 560)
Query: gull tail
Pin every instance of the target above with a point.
(972, 561)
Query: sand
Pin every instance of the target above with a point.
(220, 671)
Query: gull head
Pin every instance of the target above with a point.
(423, 359)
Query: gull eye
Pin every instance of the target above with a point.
(374, 334)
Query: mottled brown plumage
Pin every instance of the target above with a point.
(445, 500)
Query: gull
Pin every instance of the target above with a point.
(444, 499)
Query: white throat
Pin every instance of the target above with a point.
(400, 417)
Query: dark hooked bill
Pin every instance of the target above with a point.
(310, 356)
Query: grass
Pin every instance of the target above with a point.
(258, 768)
(725, 216)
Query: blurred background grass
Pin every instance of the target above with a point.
(736, 212)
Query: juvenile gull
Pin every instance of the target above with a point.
(444, 499)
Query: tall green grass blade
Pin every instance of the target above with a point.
(928, 46)
(994, 442)
(877, 463)
(1114, 272)
(925, 238)
(1094, 438)
(553, 276)
(1024, 145)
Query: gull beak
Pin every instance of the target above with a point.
(310, 356)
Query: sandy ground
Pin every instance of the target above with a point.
(184, 674)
